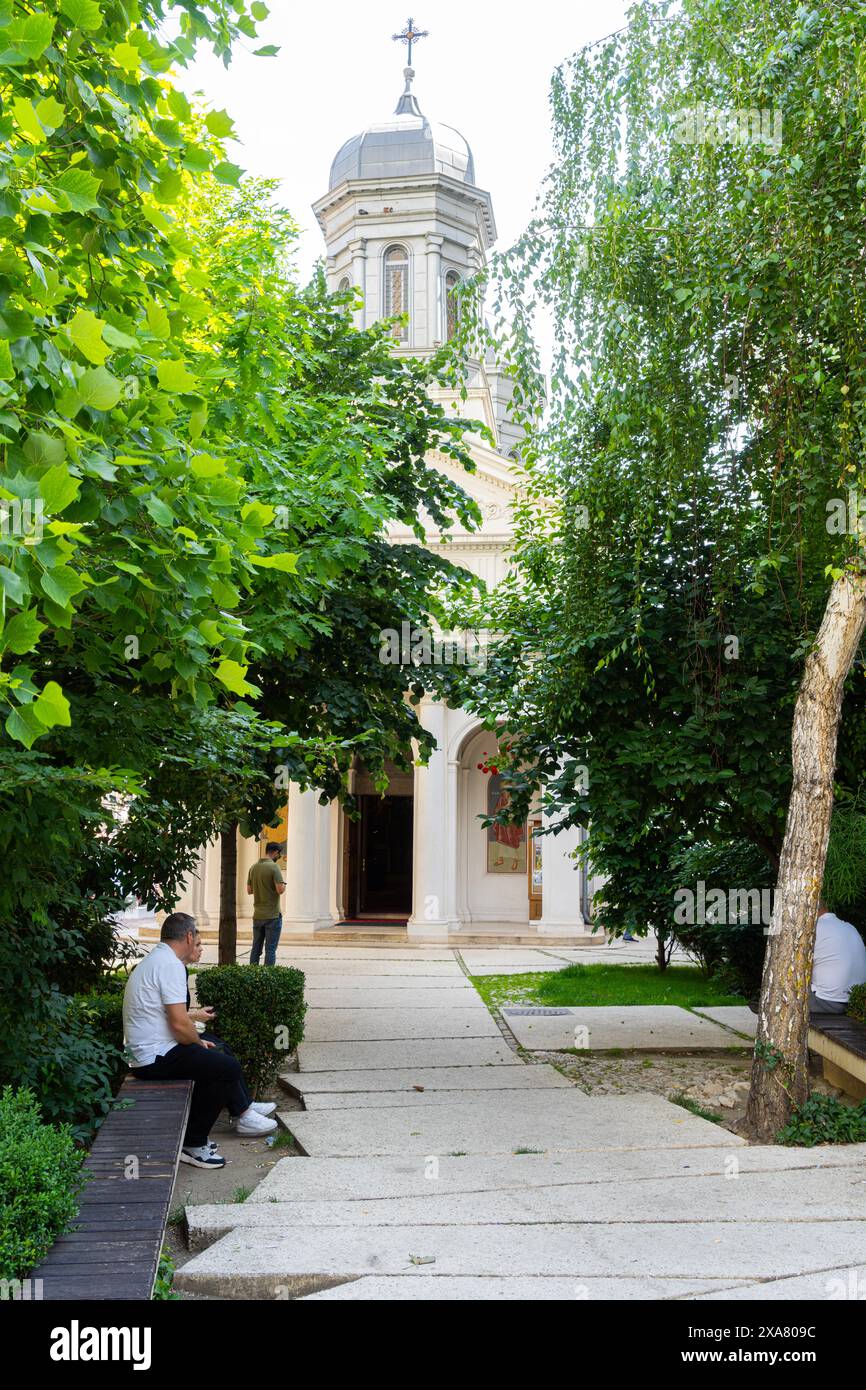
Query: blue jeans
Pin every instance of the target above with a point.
(267, 934)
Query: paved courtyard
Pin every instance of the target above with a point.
(441, 1164)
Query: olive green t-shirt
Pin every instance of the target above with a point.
(264, 876)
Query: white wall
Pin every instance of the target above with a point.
(488, 897)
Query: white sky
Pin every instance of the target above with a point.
(485, 69)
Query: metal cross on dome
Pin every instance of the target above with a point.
(409, 36)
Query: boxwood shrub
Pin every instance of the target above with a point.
(857, 1003)
(40, 1178)
(259, 1013)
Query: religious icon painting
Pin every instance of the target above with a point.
(506, 844)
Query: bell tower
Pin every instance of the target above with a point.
(405, 222)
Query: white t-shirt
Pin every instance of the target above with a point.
(157, 980)
(840, 959)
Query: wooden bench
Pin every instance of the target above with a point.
(113, 1250)
(841, 1042)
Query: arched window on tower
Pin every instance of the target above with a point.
(345, 284)
(452, 303)
(396, 288)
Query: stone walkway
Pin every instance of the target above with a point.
(440, 1165)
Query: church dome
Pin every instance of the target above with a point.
(405, 146)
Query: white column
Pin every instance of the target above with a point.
(435, 323)
(560, 889)
(450, 910)
(428, 921)
(304, 902)
(358, 249)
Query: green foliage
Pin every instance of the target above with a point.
(102, 1017)
(40, 1178)
(825, 1120)
(845, 874)
(707, 403)
(259, 1013)
(115, 533)
(164, 1278)
(731, 951)
(56, 1052)
(857, 1003)
(695, 1108)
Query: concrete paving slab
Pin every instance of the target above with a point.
(314, 1179)
(375, 998)
(810, 1195)
(304, 1260)
(376, 953)
(738, 1017)
(458, 1288)
(406, 1100)
(651, 1028)
(360, 969)
(505, 1122)
(484, 972)
(385, 1025)
(395, 985)
(449, 1052)
(831, 1284)
(482, 958)
(401, 1079)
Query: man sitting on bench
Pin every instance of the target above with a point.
(838, 965)
(164, 1044)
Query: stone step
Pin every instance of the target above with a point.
(301, 1260)
(387, 937)
(505, 1122)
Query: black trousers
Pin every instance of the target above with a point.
(218, 1079)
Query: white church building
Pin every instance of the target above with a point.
(404, 221)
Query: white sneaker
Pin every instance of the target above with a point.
(264, 1107)
(254, 1123)
(205, 1157)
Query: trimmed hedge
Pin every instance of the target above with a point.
(40, 1178)
(857, 1003)
(259, 1012)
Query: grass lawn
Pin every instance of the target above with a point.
(684, 985)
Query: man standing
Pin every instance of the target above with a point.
(267, 885)
(838, 965)
(164, 1044)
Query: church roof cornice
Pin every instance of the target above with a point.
(479, 198)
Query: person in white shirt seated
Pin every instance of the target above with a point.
(838, 965)
(163, 1042)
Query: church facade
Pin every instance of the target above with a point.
(404, 222)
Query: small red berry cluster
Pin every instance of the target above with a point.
(487, 766)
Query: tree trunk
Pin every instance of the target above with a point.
(661, 950)
(780, 1065)
(228, 942)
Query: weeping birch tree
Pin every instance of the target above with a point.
(701, 246)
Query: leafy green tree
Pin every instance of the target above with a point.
(700, 248)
